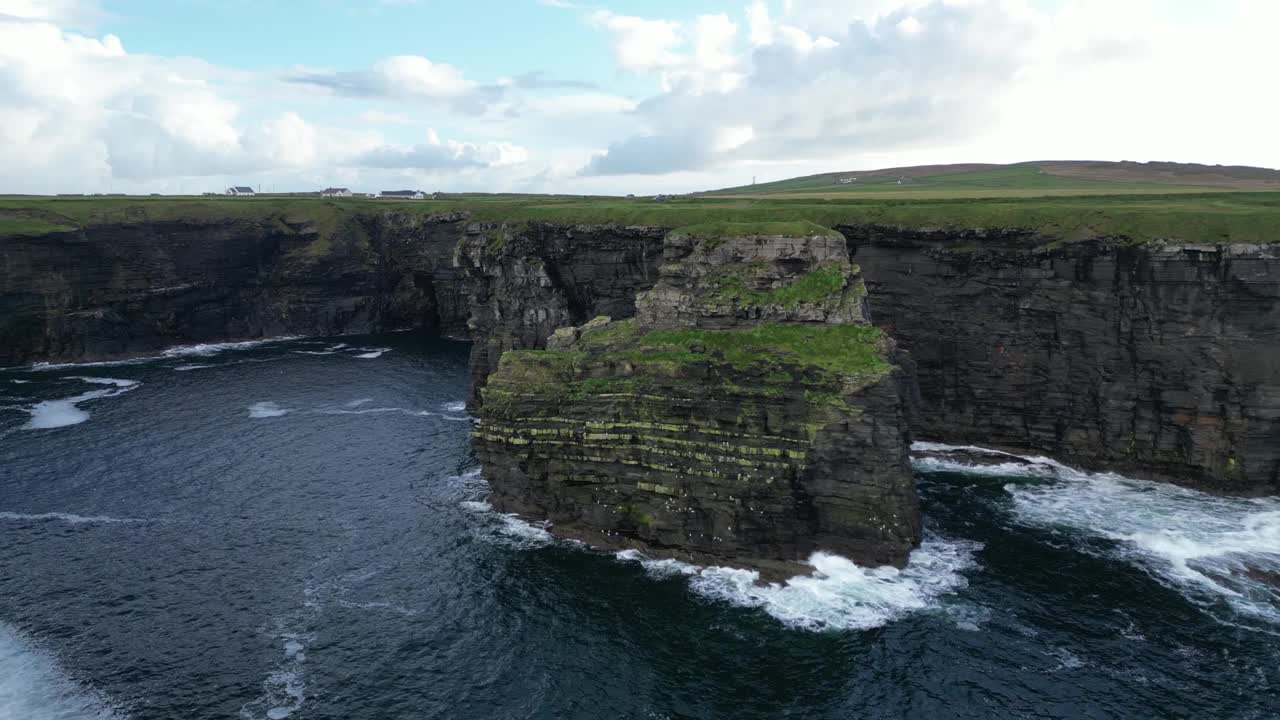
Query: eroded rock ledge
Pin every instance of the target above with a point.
(749, 415)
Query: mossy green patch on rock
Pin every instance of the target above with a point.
(812, 287)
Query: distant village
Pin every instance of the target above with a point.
(340, 192)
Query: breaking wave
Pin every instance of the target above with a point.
(841, 595)
(1212, 549)
(33, 687)
(372, 353)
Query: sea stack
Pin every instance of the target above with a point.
(749, 415)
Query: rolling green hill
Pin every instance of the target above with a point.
(1042, 178)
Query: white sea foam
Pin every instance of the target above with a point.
(373, 411)
(19, 382)
(372, 353)
(267, 410)
(454, 407)
(191, 366)
(210, 349)
(285, 689)
(843, 596)
(840, 595)
(1212, 549)
(358, 403)
(67, 518)
(658, 569)
(33, 687)
(1016, 466)
(113, 382)
(63, 412)
(200, 350)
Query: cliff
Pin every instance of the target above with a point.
(1159, 360)
(1073, 331)
(526, 280)
(125, 288)
(748, 416)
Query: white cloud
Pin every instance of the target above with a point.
(80, 112)
(951, 80)
(406, 77)
(640, 45)
(775, 88)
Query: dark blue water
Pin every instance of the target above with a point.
(297, 530)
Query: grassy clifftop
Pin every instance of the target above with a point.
(1190, 217)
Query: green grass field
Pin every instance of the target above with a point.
(1018, 180)
(1132, 216)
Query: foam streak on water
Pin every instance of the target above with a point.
(1213, 549)
(33, 687)
(66, 518)
(51, 414)
(200, 350)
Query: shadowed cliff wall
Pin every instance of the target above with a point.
(1159, 360)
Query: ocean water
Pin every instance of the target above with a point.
(298, 529)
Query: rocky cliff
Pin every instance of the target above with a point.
(1160, 360)
(749, 415)
(528, 280)
(136, 287)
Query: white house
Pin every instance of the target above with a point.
(335, 192)
(240, 190)
(403, 194)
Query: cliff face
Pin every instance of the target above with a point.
(527, 281)
(747, 416)
(131, 288)
(1159, 360)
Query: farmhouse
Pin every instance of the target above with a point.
(335, 192)
(240, 190)
(403, 194)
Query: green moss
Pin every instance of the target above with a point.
(845, 349)
(813, 287)
(636, 516)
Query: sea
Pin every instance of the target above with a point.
(297, 528)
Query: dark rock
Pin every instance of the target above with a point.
(1160, 360)
(135, 288)
(779, 432)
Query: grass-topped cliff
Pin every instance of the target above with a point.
(1230, 217)
(748, 414)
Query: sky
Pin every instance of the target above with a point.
(615, 97)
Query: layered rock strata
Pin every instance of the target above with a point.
(115, 290)
(1159, 360)
(748, 415)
